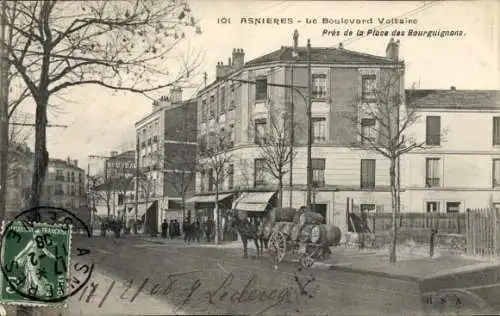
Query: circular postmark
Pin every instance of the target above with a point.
(36, 256)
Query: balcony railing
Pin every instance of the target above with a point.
(432, 182)
(367, 185)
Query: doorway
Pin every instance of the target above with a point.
(320, 208)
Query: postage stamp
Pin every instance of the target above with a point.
(35, 261)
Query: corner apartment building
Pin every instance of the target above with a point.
(459, 165)
(64, 185)
(166, 145)
(341, 170)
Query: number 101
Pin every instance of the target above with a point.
(223, 20)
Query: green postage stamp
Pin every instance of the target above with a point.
(35, 262)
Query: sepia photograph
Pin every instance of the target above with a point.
(251, 157)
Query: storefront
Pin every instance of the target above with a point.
(204, 206)
(255, 204)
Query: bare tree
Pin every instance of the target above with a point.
(215, 160)
(382, 124)
(17, 158)
(120, 45)
(274, 144)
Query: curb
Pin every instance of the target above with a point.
(396, 276)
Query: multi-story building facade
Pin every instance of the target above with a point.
(19, 176)
(114, 189)
(166, 145)
(64, 185)
(459, 164)
(341, 81)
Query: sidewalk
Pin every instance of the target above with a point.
(106, 301)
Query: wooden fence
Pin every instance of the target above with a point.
(449, 223)
(482, 232)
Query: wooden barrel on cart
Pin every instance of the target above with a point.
(326, 234)
(299, 212)
(305, 233)
(282, 214)
(295, 233)
(311, 218)
(286, 228)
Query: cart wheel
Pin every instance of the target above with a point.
(277, 247)
(306, 261)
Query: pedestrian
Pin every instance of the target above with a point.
(171, 231)
(186, 229)
(177, 228)
(164, 229)
(197, 230)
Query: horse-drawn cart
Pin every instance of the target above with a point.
(305, 237)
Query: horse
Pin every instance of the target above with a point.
(248, 231)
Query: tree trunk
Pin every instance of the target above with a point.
(41, 154)
(108, 205)
(183, 202)
(216, 215)
(280, 192)
(394, 198)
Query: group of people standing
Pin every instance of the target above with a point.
(192, 230)
(198, 231)
(171, 229)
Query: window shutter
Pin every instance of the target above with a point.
(496, 130)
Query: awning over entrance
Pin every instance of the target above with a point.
(253, 201)
(207, 198)
(141, 210)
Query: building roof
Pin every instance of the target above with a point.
(454, 99)
(65, 163)
(321, 55)
(125, 155)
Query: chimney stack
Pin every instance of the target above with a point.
(341, 46)
(75, 163)
(392, 50)
(295, 43)
(238, 58)
(114, 153)
(453, 88)
(175, 94)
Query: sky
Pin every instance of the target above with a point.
(100, 121)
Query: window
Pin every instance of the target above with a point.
(212, 99)
(231, 135)
(211, 180)
(230, 176)
(432, 174)
(260, 131)
(204, 108)
(258, 173)
(496, 130)
(452, 207)
(59, 175)
(319, 86)
(496, 172)
(232, 87)
(367, 173)
(222, 93)
(433, 131)
(367, 208)
(121, 199)
(59, 189)
(318, 172)
(367, 130)
(202, 181)
(319, 129)
(369, 87)
(261, 89)
(432, 207)
(232, 105)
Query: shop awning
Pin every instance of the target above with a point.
(253, 201)
(141, 210)
(207, 198)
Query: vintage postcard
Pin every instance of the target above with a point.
(192, 157)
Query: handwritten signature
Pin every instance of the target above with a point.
(300, 291)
